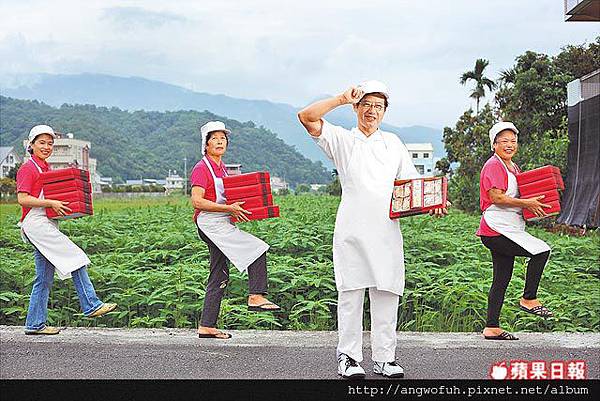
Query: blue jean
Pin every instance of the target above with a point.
(37, 313)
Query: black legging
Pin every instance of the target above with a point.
(503, 259)
(219, 278)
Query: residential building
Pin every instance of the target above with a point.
(278, 183)
(174, 182)
(233, 169)
(582, 10)
(422, 157)
(8, 160)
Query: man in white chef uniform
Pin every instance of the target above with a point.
(367, 244)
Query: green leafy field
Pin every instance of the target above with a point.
(146, 256)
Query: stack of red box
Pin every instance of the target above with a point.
(254, 189)
(418, 196)
(545, 181)
(68, 185)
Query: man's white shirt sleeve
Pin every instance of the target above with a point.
(336, 142)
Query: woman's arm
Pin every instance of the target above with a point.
(498, 197)
(201, 203)
(312, 114)
(26, 200)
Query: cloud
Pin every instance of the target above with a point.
(132, 18)
(288, 52)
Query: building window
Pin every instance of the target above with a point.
(420, 169)
(425, 155)
(415, 155)
(11, 159)
(429, 170)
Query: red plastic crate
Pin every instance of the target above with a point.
(418, 196)
(553, 210)
(248, 191)
(260, 213)
(550, 195)
(64, 174)
(79, 209)
(243, 180)
(255, 201)
(539, 174)
(67, 186)
(72, 196)
(545, 184)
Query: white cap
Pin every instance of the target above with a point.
(374, 86)
(498, 128)
(39, 130)
(209, 127)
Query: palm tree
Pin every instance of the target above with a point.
(481, 82)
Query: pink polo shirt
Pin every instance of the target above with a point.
(493, 175)
(28, 180)
(202, 177)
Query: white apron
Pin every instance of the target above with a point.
(367, 244)
(241, 248)
(509, 221)
(44, 235)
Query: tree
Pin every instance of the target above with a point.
(468, 144)
(335, 187)
(532, 94)
(302, 188)
(481, 82)
(8, 187)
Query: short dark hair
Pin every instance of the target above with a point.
(378, 94)
(210, 134)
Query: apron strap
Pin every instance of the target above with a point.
(207, 162)
(36, 165)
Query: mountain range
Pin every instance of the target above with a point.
(134, 93)
(148, 144)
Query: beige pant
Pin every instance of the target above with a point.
(384, 318)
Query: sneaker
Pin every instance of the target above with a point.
(388, 369)
(46, 330)
(104, 309)
(348, 368)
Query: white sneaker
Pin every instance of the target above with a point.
(388, 369)
(348, 368)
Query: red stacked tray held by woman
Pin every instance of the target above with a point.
(254, 189)
(546, 181)
(68, 185)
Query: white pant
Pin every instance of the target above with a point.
(384, 318)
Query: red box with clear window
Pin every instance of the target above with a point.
(418, 196)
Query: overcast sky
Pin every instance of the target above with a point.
(289, 51)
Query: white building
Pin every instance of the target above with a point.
(8, 160)
(174, 182)
(316, 187)
(71, 152)
(422, 157)
(278, 183)
(233, 169)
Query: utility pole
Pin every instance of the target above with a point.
(185, 173)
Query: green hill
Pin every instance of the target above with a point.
(133, 144)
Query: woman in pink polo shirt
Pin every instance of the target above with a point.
(225, 241)
(502, 230)
(52, 249)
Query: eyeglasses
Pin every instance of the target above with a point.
(377, 106)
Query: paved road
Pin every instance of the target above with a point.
(178, 354)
